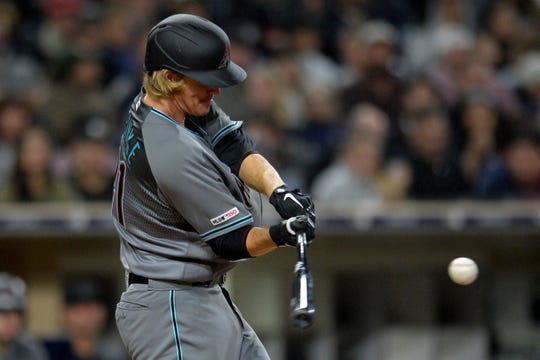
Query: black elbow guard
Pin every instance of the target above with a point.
(232, 246)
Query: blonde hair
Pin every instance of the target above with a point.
(157, 85)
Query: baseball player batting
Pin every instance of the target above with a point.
(187, 202)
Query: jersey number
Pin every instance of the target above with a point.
(119, 186)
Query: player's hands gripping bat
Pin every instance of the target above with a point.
(302, 308)
(285, 233)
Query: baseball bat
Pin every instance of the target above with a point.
(302, 309)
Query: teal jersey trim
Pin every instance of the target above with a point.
(176, 331)
(197, 126)
(169, 119)
(227, 129)
(228, 227)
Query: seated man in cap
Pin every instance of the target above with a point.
(85, 325)
(15, 344)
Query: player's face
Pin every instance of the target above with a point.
(195, 98)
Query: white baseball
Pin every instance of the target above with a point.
(463, 271)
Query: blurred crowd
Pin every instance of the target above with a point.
(372, 100)
(85, 330)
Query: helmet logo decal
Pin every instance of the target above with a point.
(226, 58)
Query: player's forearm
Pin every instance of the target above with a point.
(259, 174)
(259, 242)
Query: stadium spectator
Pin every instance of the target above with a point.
(33, 179)
(69, 58)
(458, 69)
(92, 159)
(360, 166)
(123, 49)
(487, 50)
(480, 78)
(515, 173)
(418, 96)
(514, 29)
(15, 342)
(321, 16)
(452, 13)
(56, 29)
(368, 120)
(314, 145)
(15, 119)
(21, 74)
(273, 94)
(85, 335)
(381, 44)
(353, 177)
(351, 55)
(453, 47)
(77, 92)
(527, 77)
(435, 167)
(476, 133)
(316, 69)
(379, 83)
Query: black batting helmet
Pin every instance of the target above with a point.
(195, 47)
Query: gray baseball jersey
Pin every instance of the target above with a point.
(173, 193)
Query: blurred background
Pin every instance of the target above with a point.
(414, 124)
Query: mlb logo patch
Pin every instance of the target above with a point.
(229, 214)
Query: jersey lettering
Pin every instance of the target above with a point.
(130, 149)
(136, 147)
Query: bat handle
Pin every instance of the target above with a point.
(301, 244)
(302, 307)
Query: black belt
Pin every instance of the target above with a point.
(137, 279)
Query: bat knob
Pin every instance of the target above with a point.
(304, 320)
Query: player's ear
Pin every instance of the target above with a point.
(173, 76)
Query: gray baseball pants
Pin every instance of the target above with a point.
(169, 321)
